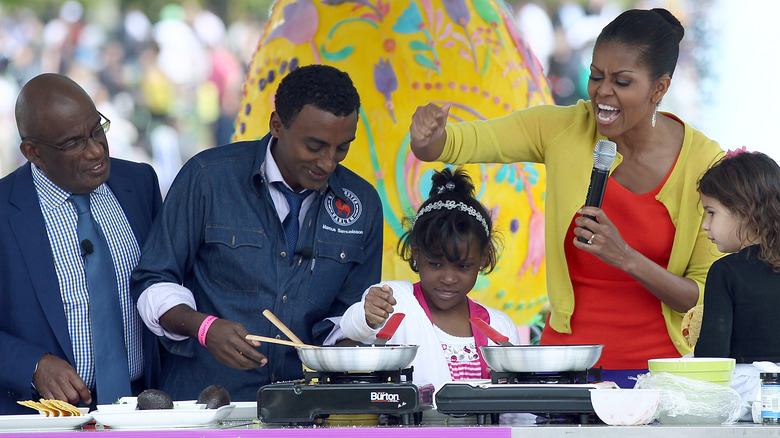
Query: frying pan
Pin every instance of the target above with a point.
(535, 358)
(357, 357)
(347, 358)
(541, 358)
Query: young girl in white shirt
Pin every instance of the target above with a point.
(450, 242)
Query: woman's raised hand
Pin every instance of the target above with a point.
(426, 133)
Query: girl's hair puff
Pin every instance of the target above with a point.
(748, 185)
(436, 232)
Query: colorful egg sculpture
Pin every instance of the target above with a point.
(401, 54)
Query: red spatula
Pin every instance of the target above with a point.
(389, 329)
(491, 333)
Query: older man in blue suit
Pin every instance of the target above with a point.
(53, 340)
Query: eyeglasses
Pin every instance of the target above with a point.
(78, 145)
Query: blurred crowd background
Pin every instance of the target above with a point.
(169, 75)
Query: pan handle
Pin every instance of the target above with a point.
(491, 333)
(391, 326)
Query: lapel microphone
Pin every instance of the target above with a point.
(306, 252)
(86, 247)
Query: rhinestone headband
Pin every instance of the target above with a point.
(452, 205)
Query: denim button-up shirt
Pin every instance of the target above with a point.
(220, 236)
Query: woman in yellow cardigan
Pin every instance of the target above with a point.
(644, 260)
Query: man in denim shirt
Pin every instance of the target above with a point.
(221, 236)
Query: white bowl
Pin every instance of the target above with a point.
(625, 407)
(123, 404)
(118, 407)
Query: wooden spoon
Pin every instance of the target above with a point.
(275, 341)
(280, 325)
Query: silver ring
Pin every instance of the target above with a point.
(590, 241)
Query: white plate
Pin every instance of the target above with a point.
(40, 422)
(244, 411)
(162, 418)
(131, 404)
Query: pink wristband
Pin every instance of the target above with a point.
(204, 329)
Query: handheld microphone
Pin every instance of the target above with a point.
(603, 156)
(86, 247)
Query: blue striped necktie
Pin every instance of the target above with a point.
(112, 375)
(291, 223)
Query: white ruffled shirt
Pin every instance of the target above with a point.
(429, 364)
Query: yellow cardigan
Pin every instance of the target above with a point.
(563, 138)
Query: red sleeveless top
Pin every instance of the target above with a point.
(612, 308)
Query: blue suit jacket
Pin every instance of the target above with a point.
(32, 317)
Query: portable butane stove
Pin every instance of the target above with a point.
(563, 396)
(321, 394)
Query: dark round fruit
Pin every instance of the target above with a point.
(154, 399)
(214, 396)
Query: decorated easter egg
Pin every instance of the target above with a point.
(401, 54)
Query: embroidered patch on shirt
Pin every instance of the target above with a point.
(344, 211)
